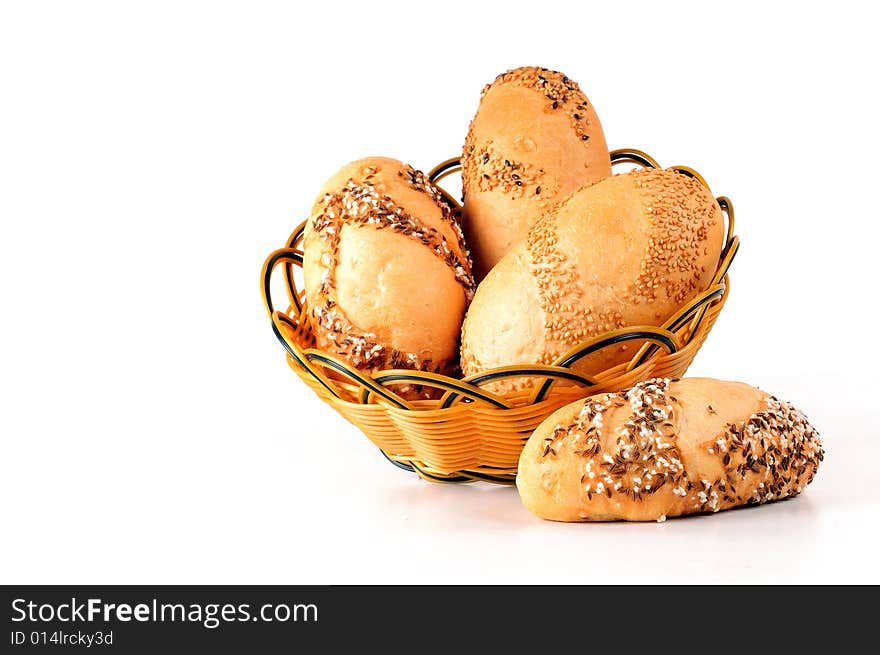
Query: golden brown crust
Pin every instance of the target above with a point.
(627, 250)
(534, 139)
(387, 275)
(510, 328)
(667, 448)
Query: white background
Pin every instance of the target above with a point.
(152, 154)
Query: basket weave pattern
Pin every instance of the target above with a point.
(469, 433)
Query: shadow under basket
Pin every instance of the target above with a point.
(469, 433)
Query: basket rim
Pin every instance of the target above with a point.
(426, 407)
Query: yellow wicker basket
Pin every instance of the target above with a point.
(470, 433)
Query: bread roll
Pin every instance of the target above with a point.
(387, 274)
(534, 140)
(667, 448)
(628, 250)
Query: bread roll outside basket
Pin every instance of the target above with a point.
(470, 433)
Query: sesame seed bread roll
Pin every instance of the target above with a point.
(667, 448)
(387, 274)
(534, 139)
(628, 250)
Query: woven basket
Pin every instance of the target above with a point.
(469, 433)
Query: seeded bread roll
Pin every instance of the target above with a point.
(387, 274)
(627, 250)
(667, 448)
(534, 140)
